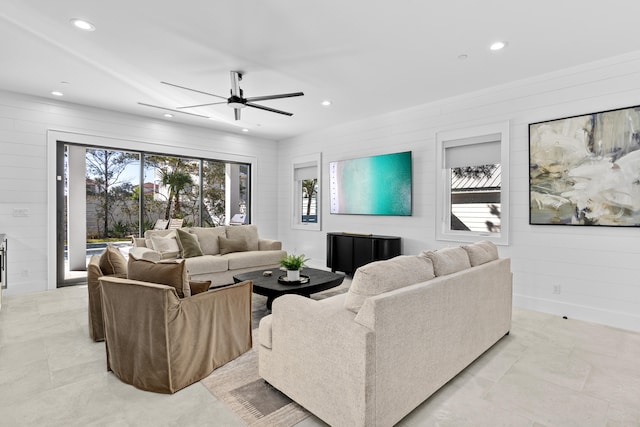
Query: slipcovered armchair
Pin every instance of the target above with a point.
(159, 342)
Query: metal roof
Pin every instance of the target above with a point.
(484, 183)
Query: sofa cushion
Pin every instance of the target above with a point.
(112, 261)
(171, 273)
(189, 246)
(448, 260)
(257, 259)
(481, 252)
(199, 286)
(248, 233)
(206, 264)
(383, 276)
(231, 245)
(208, 238)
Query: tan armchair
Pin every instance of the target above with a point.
(159, 342)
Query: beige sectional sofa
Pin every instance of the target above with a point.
(223, 251)
(405, 328)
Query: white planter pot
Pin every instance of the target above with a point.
(293, 275)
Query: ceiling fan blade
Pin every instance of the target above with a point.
(273, 110)
(236, 112)
(235, 83)
(193, 90)
(282, 95)
(171, 109)
(201, 105)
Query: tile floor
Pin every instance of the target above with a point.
(547, 372)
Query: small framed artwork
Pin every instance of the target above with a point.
(585, 170)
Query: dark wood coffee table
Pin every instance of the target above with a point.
(319, 280)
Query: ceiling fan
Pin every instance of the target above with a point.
(237, 101)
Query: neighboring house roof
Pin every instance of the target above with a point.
(465, 184)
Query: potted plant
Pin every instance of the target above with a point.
(293, 264)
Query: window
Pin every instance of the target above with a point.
(306, 192)
(473, 184)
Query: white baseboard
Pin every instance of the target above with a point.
(616, 319)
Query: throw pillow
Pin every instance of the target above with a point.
(165, 245)
(248, 233)
(481, 252)
(188, 243)
(383, 276)
(112, 262)
(199, 286)
(171, 273)
(157, 233)
(448, 260)
(208, 238)
(231, 245)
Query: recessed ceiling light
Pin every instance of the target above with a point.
(56, 93)
(245, 130)
(168, 116)
(498, 45)
(326, 103)
(83, 25)
(463, 57)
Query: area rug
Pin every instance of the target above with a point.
(238, 385)
(257, 403)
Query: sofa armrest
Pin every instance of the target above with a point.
(315, 323)
(138, 242)
(321, 343)
(145, 253)
(269, 245)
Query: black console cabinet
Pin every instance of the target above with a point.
(346, 252)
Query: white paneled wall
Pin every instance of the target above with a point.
(26, 126)
(596, 270)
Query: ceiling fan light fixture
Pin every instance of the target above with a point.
(83, 24)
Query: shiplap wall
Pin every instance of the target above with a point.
(597, 269)
(25, 180)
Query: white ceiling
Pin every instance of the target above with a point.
(367, 56)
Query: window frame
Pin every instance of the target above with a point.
(311, 160)
(473, 135)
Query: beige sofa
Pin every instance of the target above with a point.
(225, 251)
(405, 328)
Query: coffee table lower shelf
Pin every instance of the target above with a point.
(319, 280)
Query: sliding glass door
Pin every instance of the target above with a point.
(108, 195)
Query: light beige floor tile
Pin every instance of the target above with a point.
(547, 403)
(620, 415)
(71, 349)
(22, 353)
(21, 382)
(629, 347)
(496, 361)
(470, 412)
(613, 380)
(557, 365)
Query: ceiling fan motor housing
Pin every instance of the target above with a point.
(236, 102)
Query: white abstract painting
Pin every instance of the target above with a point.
(585, 170)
